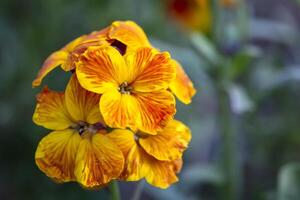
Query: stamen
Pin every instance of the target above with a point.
(124, 88)
(82, 127)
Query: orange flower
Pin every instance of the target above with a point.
(133, 86)
(77, 149)
(193, 14)
(126, 37)
(130, 34)
(157, 158)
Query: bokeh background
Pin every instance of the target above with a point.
(243, 57)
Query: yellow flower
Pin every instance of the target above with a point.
(133, 86)
(126, 37)
(77, 149)
(157, 158)
(130, 34)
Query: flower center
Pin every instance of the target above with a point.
(124, 88)
(82, 126)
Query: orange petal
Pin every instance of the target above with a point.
(98, 161)
(129, 33)
(51, 111)
(55, 155)
(152, 70)
(182, 86)
(96, 38)
(54, 60)
(156, 109)
(169, 143)
(119, 110)
(82, 104)
(100, 69)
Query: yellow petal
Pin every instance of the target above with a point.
(156, 109)
(160, 173)
(51, 111)
(151, 70)
(169, 143)
(101, 68)
(124, 138)
(56, 153)
(54, 60)
(139, 165)
(119, 110)
(82, 104)
(182, 86)
(129, 33)
(98, 161)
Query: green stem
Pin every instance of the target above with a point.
(229, 147)
(138, 191)
(115, 192)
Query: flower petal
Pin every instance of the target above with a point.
(128, 33)
(95, 38)
(124, 138)
(182, 86)
(156, 109)
(54, 60)
(98, 161)
(82, 104)
(100, 69)
(160, 173)
(119, 110)
(51, 111)
(56, 153)
(139, 164)
(169, 143)
(152, 70)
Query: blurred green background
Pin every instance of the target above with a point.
(245, 118)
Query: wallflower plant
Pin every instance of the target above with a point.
(115, 119)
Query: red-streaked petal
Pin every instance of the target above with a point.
(56, 153)
(169, 143)
(54, 60)
(100, 69)
(151, 70)
(156, 109)
(98, 161)
(119, 110)
(51, 111)
(82, 104)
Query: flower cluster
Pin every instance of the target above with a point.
(115, 119)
